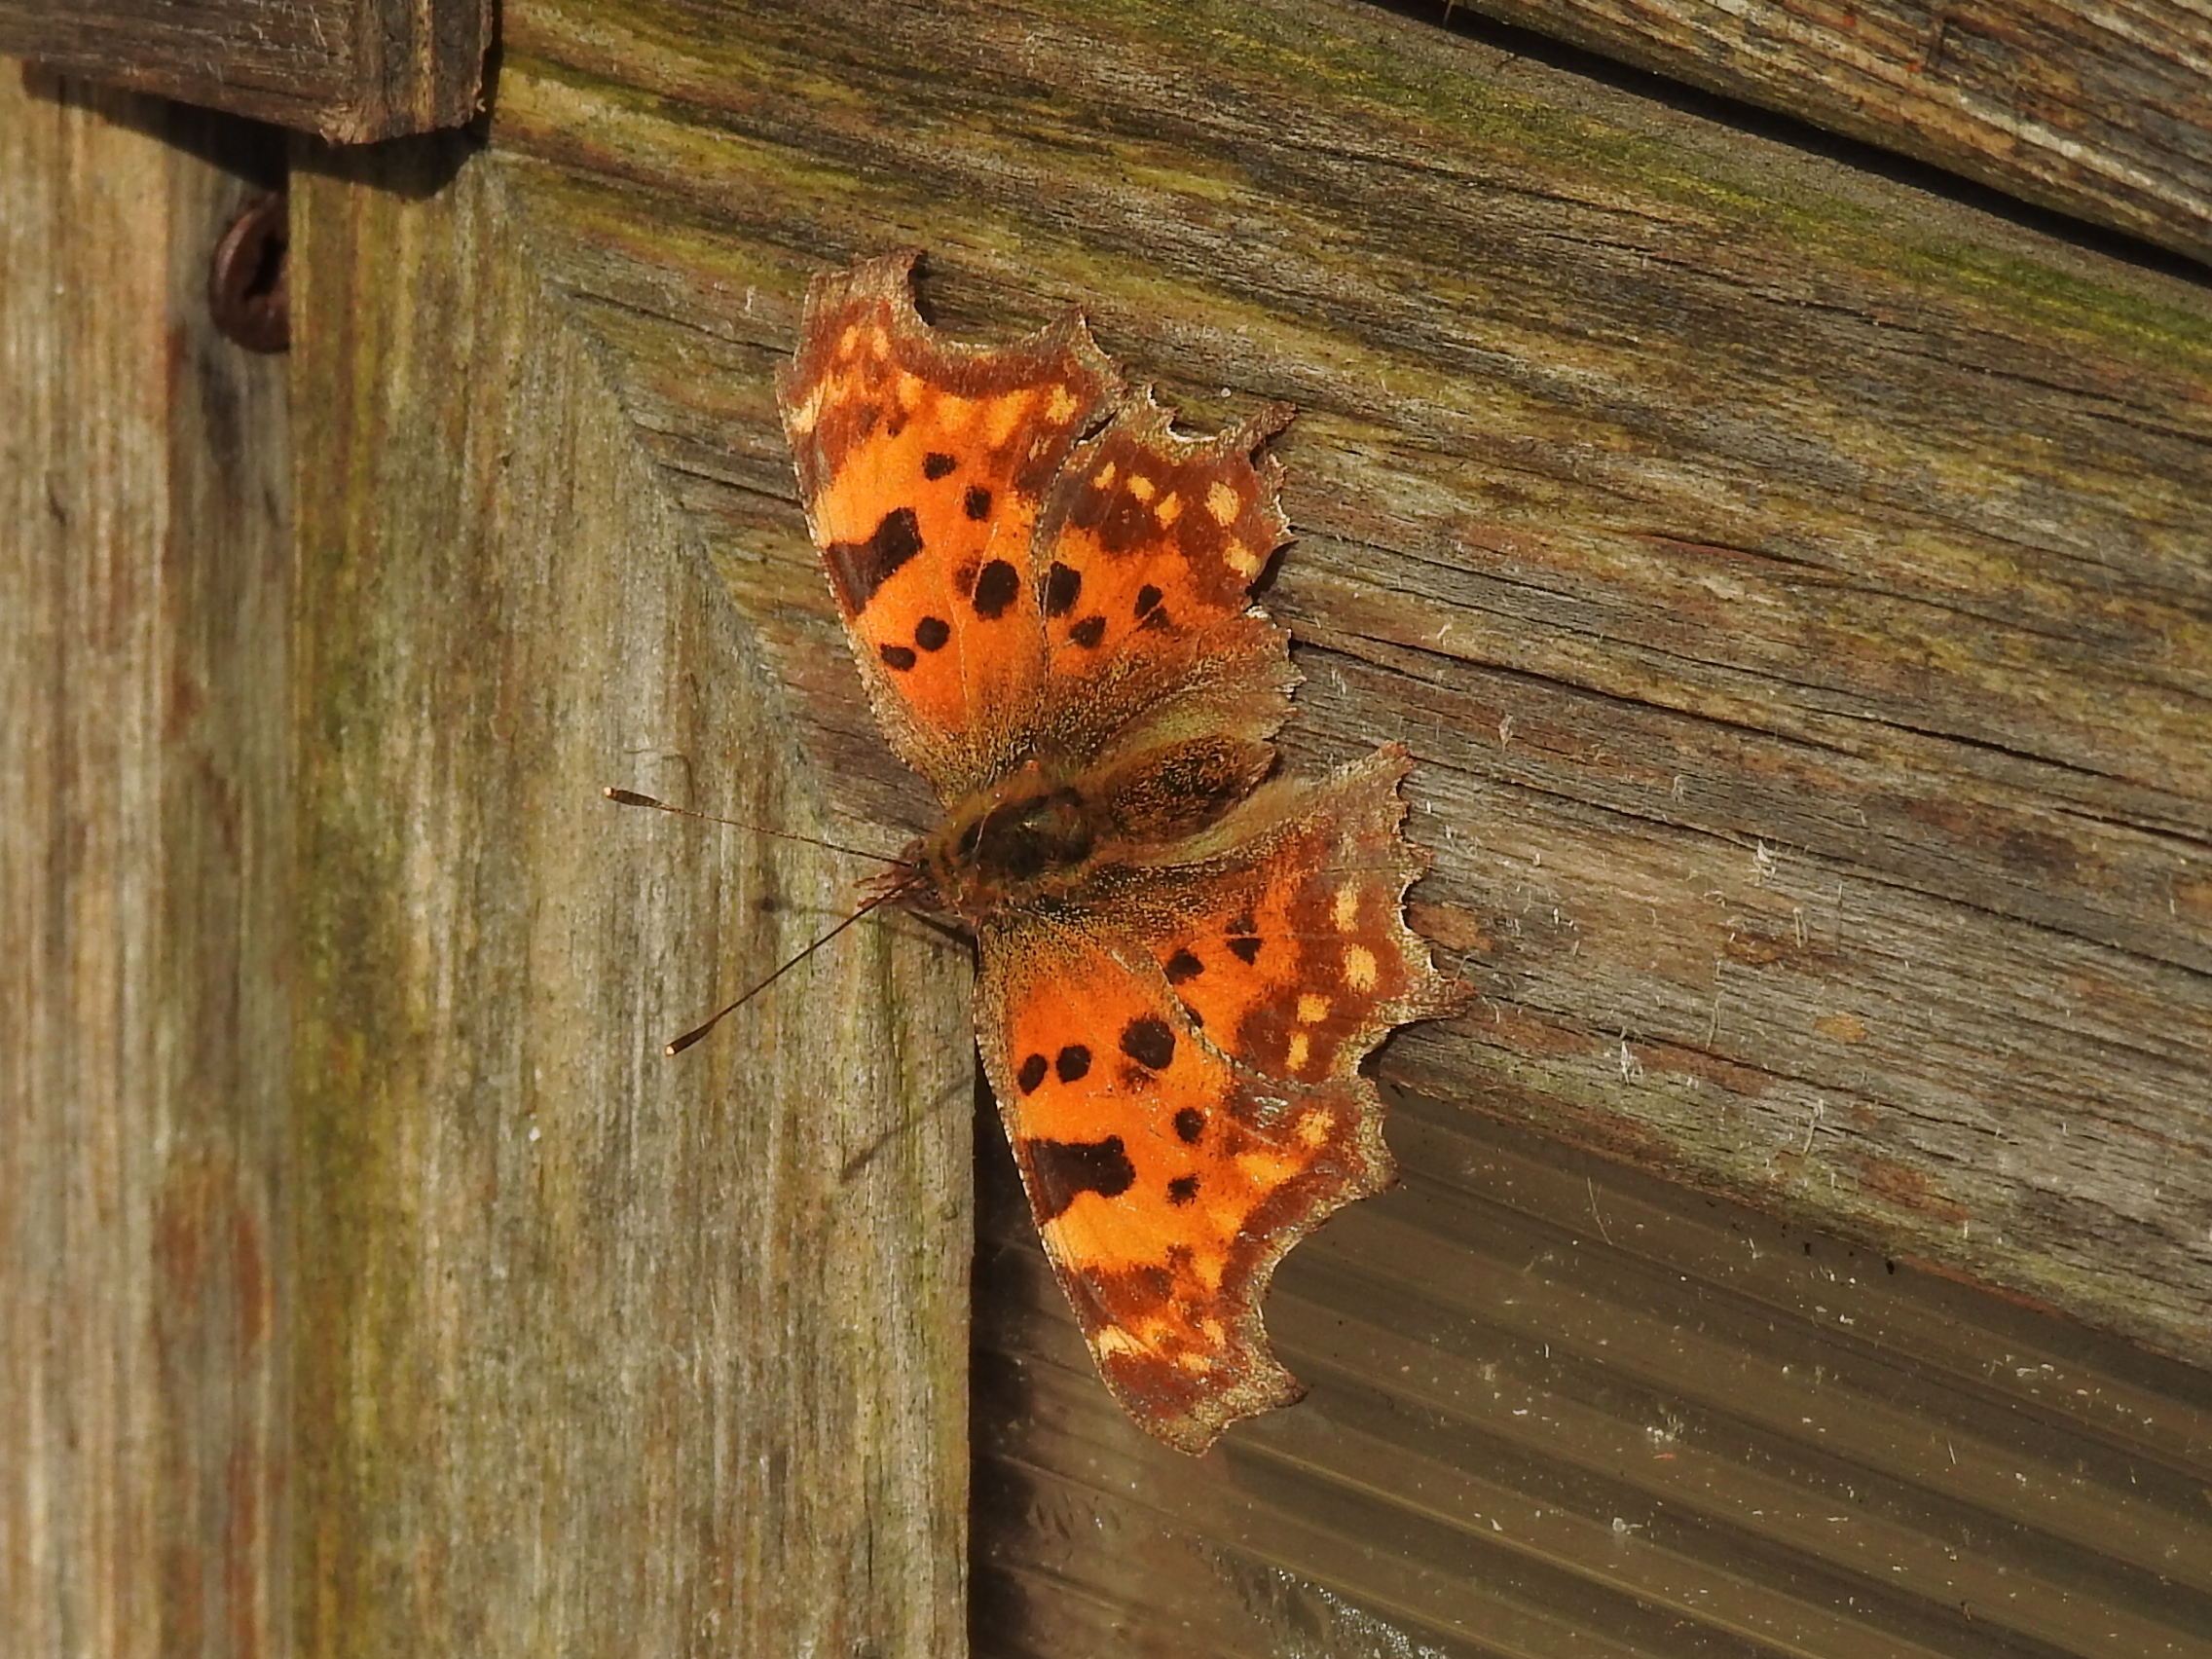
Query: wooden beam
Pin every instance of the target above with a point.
(2096, 111)
(1557, 1409)
(346, 70)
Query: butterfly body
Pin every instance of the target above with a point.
(1028, 839)
(1183, 959)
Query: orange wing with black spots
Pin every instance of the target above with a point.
(1292, 952)
(1166, 1183)
(1047, 589)
(1178, 1073)
(924, 465)
(1147, 550)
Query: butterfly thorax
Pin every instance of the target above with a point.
(1028, 837)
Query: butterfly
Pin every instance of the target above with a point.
(1183, 956)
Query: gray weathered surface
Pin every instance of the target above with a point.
(486, 1327)
(1795, 586)
(2098, 111)
(144, 736)
(348, 70)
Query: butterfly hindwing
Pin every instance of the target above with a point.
(1147, 550)
(1292, 951)
(1166, 1183)
(1178, 1072)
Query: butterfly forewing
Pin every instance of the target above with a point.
(924, 466)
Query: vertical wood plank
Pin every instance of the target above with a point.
(142, 732)
(611, 1352)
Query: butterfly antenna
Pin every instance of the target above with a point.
(631, 797)
(716, 1018)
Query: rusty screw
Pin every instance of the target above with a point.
(246, 280)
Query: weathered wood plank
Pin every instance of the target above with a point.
(1795, 584)
(348, 70)
(1597, 1420)
(143, 734)
(611, 1352)
(2098, 111)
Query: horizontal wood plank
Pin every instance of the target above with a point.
(1795, 586)
(2097, 111)
(346, 70)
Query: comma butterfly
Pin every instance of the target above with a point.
(1183, 960)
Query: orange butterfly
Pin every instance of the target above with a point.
(1183, 961)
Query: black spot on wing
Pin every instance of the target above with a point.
(930, 633)
(1073, 1063)
(1032, 1073)
(1183, 966)
(896, 656)
(1089, 632)
(1189, 1125)
(1147, 1040)
(977, 503)
(996, 585)
(1063, 586)
(860, 567)
(1245, 948)
(1182, 1190)
(1148, 600)
(1063, 1171)
(937, 465)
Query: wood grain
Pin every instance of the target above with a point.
(1795, 584)
(612, 1352)
(1596, 1419)
(348, 70)
(2097, 111)
(143, 734)
(1796, 589)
